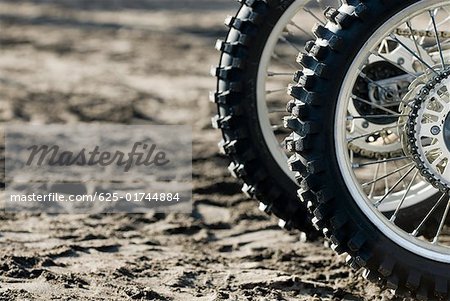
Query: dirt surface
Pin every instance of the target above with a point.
(144, 62)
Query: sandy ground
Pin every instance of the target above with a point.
(144, 62)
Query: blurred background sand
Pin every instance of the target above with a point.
(143, 62)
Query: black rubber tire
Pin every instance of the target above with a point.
(335, 212)
(235, 95)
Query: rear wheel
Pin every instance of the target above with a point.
(257, 64)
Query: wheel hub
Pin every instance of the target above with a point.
(428, 130)
(387, 76)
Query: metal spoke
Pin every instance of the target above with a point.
(350, 118)
(446, 42)
(357, 165)
(413, 53)
(397, 210)
(314, 15)
(279, 127)
(427, 217)
(285, 40)
(422, 40)
(386, 183)
(288, 32)
(378, 203)
(271, 73)
(276, 91)
(373, 104)
(372, 187)
(368, 79)
(408, 24)
(400, 174)
(386, 175)
(279, 59)
(441, 225)
(395, 63)
(444, 21)
(276, 110)
(302, 30)
(438, 41)
(371, 133)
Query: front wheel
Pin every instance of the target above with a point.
(409, 101)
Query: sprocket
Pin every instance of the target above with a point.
(427, 129)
